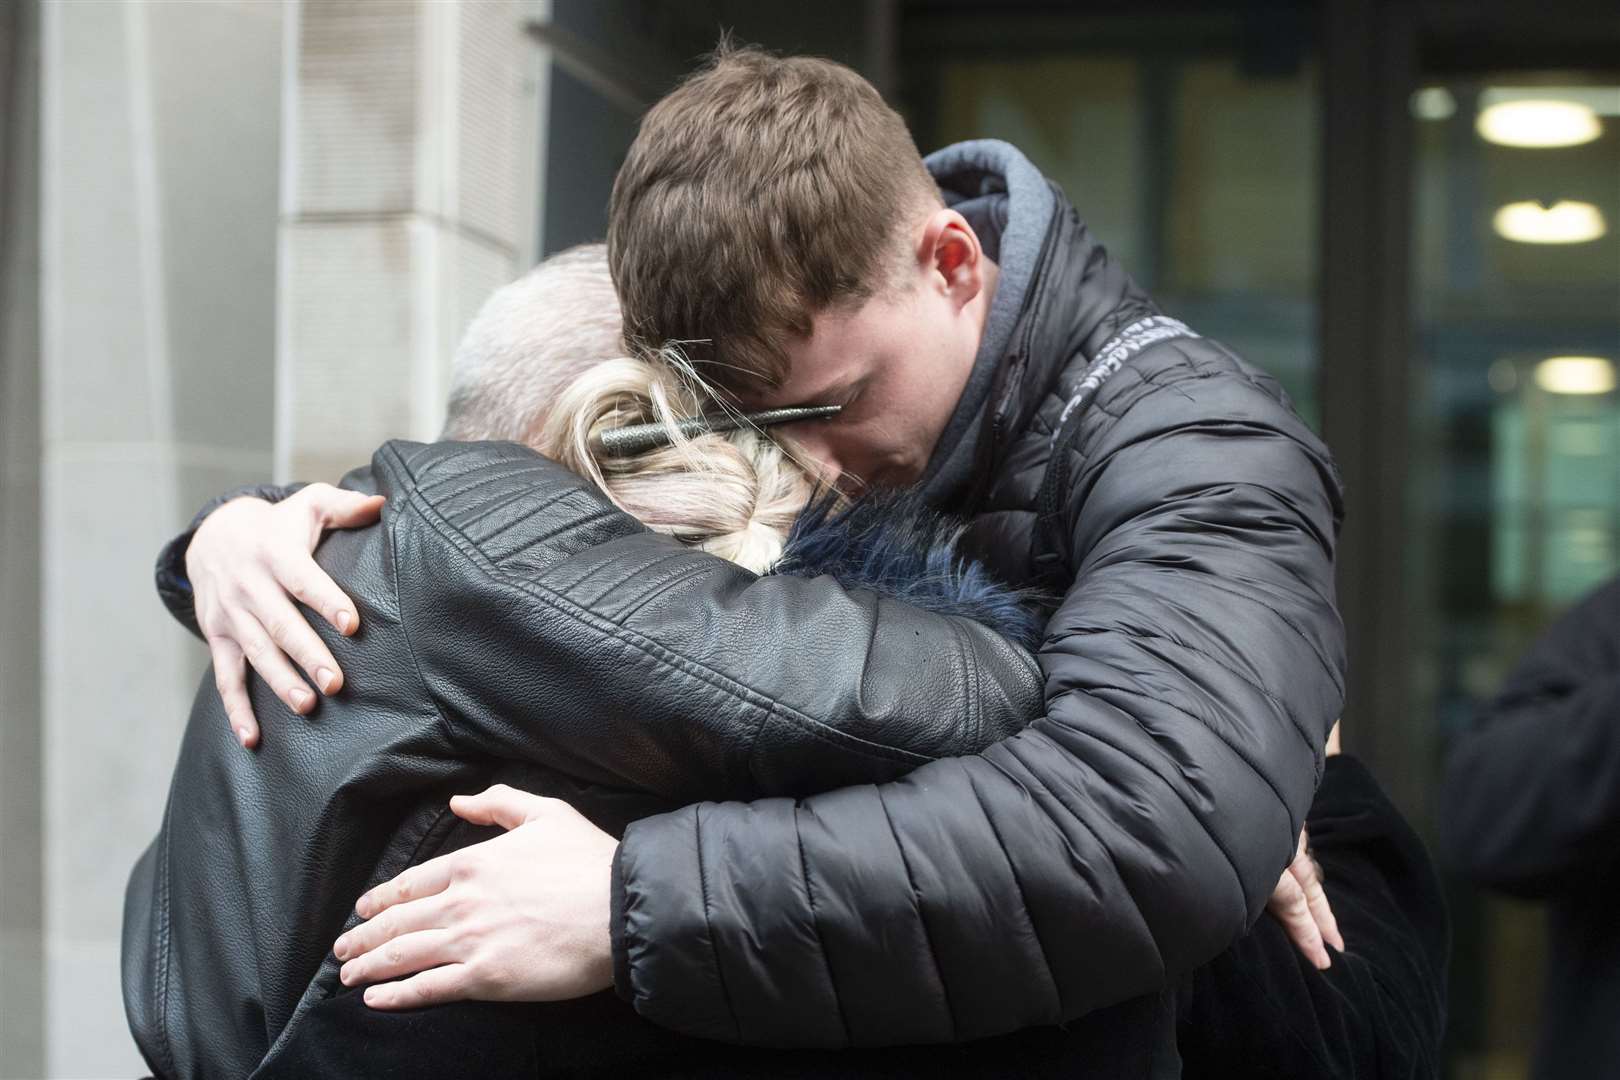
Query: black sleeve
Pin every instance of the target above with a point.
(1261, 1010)
(1530, 803)
(172, 585)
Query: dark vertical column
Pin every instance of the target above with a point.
(1370, 64)
(22, 962)
(880, 47)
(1158, 79)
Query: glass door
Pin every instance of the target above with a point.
(1514, 479)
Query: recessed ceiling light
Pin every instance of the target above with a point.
(1433, 103)
(1564, 222)
(1604, 100)
(1576, 375)
(1539, 123)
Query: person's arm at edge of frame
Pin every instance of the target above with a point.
(1530, 802)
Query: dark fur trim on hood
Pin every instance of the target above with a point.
(893, 544)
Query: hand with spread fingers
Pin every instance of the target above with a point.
(522, 917)
(247, 563)
(1299, 902)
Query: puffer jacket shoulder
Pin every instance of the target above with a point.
(1193, 665)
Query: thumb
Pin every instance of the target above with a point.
(498, 805)
(351, 510)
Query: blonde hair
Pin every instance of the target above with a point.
(734, 494)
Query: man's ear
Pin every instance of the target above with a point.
(951, 257)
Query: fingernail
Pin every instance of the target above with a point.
(362, 907)
(344, 619)
(371, 995)
(345, 976)
(341, 949)
(300, 698)
(323, 679)
(242, 735)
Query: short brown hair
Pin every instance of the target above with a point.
(761, 191)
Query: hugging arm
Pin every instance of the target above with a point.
(548, 626)
(1128, 836)
(577, 638)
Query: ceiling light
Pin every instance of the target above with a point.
(1433, 103)
(1604, 100)
(1576, 375)
(1539, 123)
(1564, 222)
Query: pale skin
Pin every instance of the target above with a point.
(525, 916)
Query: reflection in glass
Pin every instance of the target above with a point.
(1515, 494)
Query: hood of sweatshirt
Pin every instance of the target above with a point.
(1010, 206)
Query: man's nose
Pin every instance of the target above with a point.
(810, 447)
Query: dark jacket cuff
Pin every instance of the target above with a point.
(174, 589)
(616, 931)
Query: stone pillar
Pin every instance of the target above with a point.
(409, 163)
(159, 149)
(22, 1016)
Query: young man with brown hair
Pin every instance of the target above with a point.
(775, 218)
(773, 215)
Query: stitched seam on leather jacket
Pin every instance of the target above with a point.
(491, 505)
(744, 695)
(164, 950)
(445, 725)
(470, 517)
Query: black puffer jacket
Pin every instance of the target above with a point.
(513, 630)
(1187, 518)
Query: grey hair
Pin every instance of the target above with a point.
(544, 364)
(529, 340)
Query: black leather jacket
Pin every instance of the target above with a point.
(512, 622)
(1191, 669)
